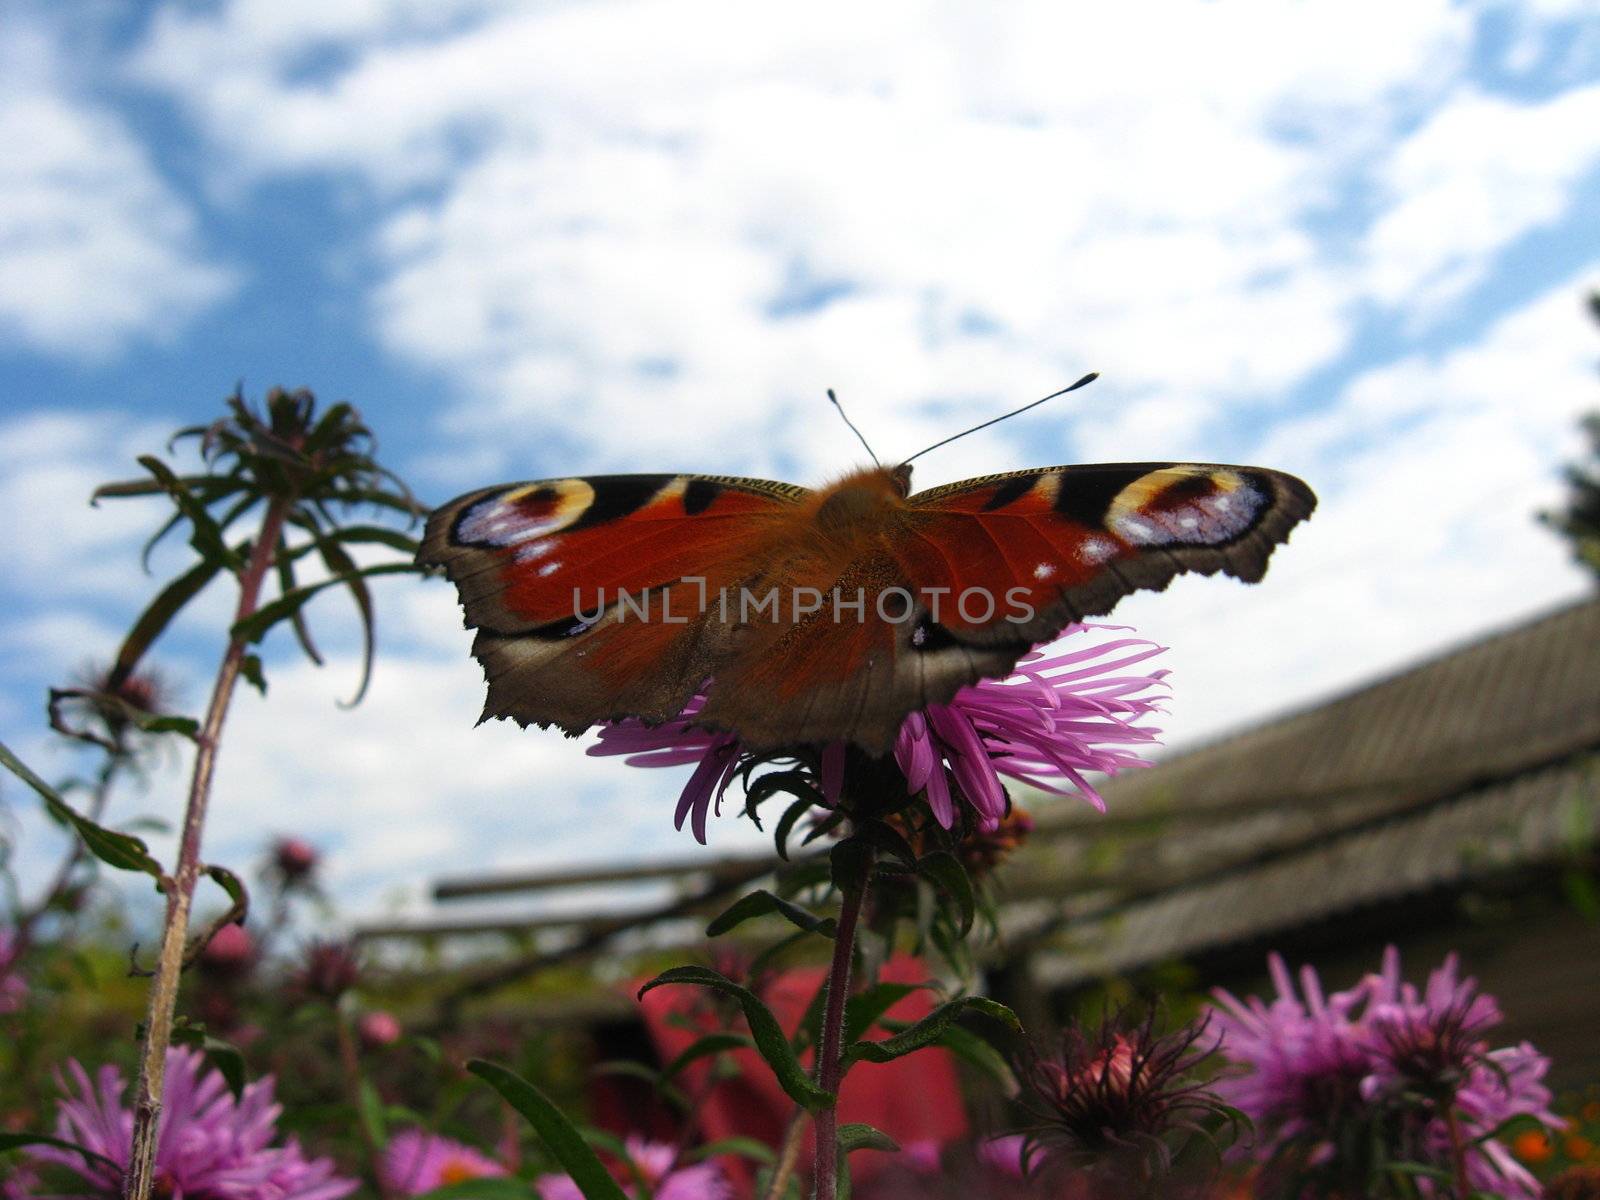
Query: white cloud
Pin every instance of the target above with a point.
(579, 236)
(1429, 472)
(95, 247)
(1481, 172)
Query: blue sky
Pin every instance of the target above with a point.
(1345, 239)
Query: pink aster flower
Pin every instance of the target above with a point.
(1319, 1065)
(1435, 1043)
(13, 987)
(416, 1162)
(1058, 717)
(653, 1161)
(1306, 1057)
(210, 1145)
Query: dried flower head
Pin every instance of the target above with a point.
(1118, 1102)
(229, 954)
(108, 707)
(1060, 716)
(328, 970)
(211, 1144)
(294, 861)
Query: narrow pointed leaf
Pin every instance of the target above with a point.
(283, 564)
(769, 1036)
(16, 1141)
(255, 626)
(863, 1009)
(762, 903)
(120, 850)
(712, 1043)
(206, 536)
(340, 563)
(559, 1134)
(857, 1135)
(946, 873)
(927, 1031)
(158, 615)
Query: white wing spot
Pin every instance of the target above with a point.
(1044, 570)
(549, 568)
(1096, 550)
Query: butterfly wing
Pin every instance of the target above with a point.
(997, 565)
(1070, 542)
(541, 568)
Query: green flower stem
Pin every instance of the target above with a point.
(830, 1064)
(179, 887)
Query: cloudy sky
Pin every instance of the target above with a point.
(1345, 238)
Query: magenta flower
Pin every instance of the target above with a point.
(1434, 1042)
(1317, 1066)
(1057, 718)
(653, 1161)
(1307, 1057)
(13, 987)
(416, 1162)
(211, 1145)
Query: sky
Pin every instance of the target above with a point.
(1345, 238)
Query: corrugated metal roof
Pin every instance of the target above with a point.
(1477, 760)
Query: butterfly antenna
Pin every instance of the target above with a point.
(1087, 379)
(852, 424)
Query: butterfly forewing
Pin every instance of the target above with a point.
(542, 567)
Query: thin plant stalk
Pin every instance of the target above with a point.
(180, 886)
(350, 1067)
(830, 1065)
(788, 1155)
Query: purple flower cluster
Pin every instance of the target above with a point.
(655, 1162)
(211, 1145)
(1057, 718)
(1319, 1063)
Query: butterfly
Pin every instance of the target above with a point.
(812, 616)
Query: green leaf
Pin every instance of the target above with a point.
(712, 1043)
(158, 615)
(250, 668)
(207, 537)
(786, 824)
(771, 1043)
(120, 850)
(487, 1187)
(945, 872)
(743, 1147)
(851, 864)
(254, 627)
(283, 564)
(223, 1055)
(971, 1048)
(863, 1009)
(762, 903)
(16, 1141)
(341, 564)
(372, 1113)
(856, 1135)
(928, 1030)
(557, 1133)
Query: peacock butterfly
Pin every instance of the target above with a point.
(827, 614)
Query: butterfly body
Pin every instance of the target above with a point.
(827, 614)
